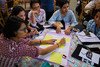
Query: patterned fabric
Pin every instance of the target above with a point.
(8, 62)
(39, 19)
(91, 27)
(12, 49)
(68, 18)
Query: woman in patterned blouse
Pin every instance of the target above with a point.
(15, 45)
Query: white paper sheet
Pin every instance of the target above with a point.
(95, 57)
(83, 38)
(62, 51)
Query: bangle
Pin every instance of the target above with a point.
(58, 45)
(40, 42)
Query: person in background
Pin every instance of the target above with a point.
(10, 3)
(94, 24)
(2, 5)
(93, 4)
(65, 15)
(37, 16)
(48, 6)
(15, 45)
(20, 12)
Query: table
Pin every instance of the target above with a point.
(59, 55)
(71, 62)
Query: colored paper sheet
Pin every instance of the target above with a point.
(67, 40)
(56, 57)
(47, 37)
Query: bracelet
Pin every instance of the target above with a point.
(58, 45)
(40, 42)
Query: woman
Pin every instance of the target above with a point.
(20, 12)
(63, 15)
(37, 16)
(15, 45)
(93, 4)
(94, 24)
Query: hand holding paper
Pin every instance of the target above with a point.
(62, 42)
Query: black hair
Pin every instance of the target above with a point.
(95, 11)
(60, 3)
(12, 25)
(33, 2)
(16, 10)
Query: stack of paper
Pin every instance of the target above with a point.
(88, 39)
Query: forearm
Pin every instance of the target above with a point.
(51, 48)
(33, 19)
(58, 25)
(54, 24)
(70, 27)
(35, 41)
(48, 49)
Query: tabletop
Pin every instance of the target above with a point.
(71, 62)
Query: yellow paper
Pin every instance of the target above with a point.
(56, 57)
(67, 40)
(47, 37)
(62, 45)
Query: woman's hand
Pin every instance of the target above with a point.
(62, 42)
(58, 30)
(34, 32)
(68, 31)
(35, 12)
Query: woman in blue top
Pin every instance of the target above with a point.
(64, 14)
(94, 24)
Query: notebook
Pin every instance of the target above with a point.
(88, 39)
(86, 55)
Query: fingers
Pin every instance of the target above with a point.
(62, 41)
(58, 30)
(51, 41)
(67, 32)
(54, 40)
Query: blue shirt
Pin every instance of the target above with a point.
(91, 27)
(69, 18)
